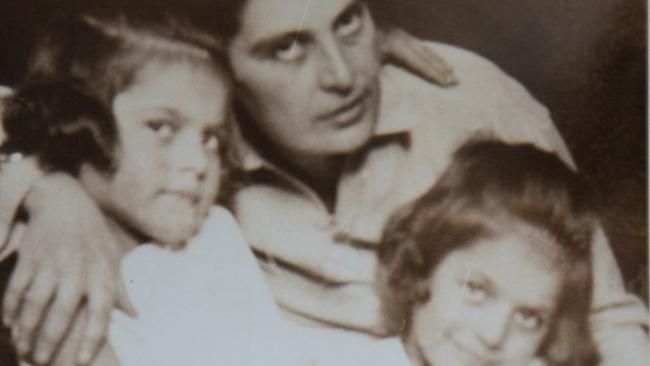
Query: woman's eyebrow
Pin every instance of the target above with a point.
(352, 7)
(265, 43)
(541, 310)
(169, 112)
(484, 280)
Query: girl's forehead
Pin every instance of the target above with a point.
(188, 90)
(516, 267)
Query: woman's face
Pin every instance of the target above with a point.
(167, 162)
(307, 71)
(491, 304)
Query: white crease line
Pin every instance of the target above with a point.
(304, 15)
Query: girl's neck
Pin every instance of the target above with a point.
(125, 239)
(414, 351)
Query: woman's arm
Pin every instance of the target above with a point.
(69, 349)
(66, 255)
(17, 176)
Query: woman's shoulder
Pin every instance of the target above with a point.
(485, 100)
(468, 66)
(477, 77)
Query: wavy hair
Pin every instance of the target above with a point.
(490, 188)
(62, 111)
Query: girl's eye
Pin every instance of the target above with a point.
(290, 50)
(529, 319)
(474, 292)
(350, 23)
(211, 142)
(162, 128)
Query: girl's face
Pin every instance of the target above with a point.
(491, 303)
(167, 162)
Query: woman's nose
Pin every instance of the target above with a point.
(492, 330)
(335, 73)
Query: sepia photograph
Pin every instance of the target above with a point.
(324, 183)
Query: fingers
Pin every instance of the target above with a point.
(352, 306)
(58, 321)
(33, 307)
(122, 301)
(99, 307)
(18, 284)
(325, 258)
(332, 263)
(344, 264)
(417, 56)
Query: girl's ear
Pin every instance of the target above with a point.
(569, 341)
(95, 182)
(569, 344)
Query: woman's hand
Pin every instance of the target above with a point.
(413, 54)
(67, 257)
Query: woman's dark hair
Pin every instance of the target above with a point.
(62, 111)
(221, 18)
(491, 188)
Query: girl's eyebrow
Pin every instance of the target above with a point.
(220, 131)
(166, 111)
(537, 309)
(482, 279)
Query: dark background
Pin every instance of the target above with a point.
(584, 59)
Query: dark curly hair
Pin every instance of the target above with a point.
(62, 111)
(490, 188)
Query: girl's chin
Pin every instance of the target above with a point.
(174, 234)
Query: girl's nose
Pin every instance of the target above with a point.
(493, 327)
(190, 156)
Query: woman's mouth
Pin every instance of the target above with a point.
(348, 113)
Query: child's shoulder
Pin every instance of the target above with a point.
(220, 223)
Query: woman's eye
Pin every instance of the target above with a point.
(163, 129)
(475, 292)
(289, 51)
(529, 319)
(350, 23)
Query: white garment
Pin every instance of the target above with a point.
(209, 304)
(206, 304)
